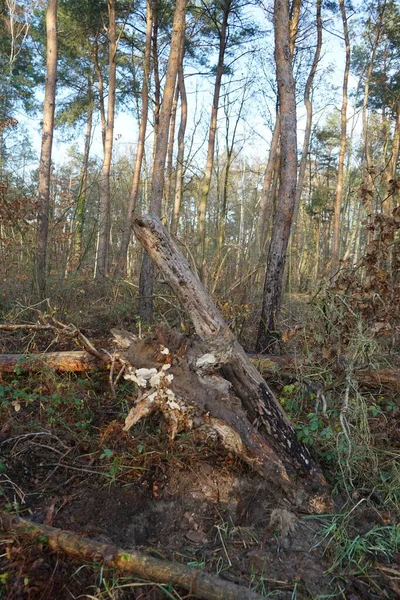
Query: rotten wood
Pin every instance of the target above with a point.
(80, 361)
(65, 362)
(128, 562)
(263, 410)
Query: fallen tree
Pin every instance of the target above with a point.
(286, 461)
(80, 361)
(128, 562)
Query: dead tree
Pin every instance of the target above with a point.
(285, 459)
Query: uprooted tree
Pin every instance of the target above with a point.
(210, 387)
(240, 406)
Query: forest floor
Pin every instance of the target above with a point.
(65, 461)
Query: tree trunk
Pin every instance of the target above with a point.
(181, 148)
(103, 248)
(266, 202)
(169, 180)
(368, 177)
(82, 197)
(272, 294)
(103, 121)
(46, 147)
(263, 410)
(308, 105)
(126, 234)
(342, 151)
(206, 183)
(157, 181)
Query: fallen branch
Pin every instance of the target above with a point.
(69, 331)
(129, 562)
(65, 362)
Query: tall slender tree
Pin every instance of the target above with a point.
(127, 231)
(103, 247)
(160, 154)
(222, 29)
(343, 141)
(46, 146)
(272, 293)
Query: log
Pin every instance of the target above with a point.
(65, 362)
(128, 562)
(80, 361)
(262, 408)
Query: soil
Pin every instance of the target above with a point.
(65, 461)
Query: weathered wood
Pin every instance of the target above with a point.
(80, 361)
(65, 362)
(129, 562)
(262, 408)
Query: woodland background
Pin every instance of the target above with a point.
(221, 179)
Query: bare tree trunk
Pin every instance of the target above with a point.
(157, 181)
(169, 181)
(368, 177)
(266, 201)
(181, 148)
(100, 81)
(156, 74)
(104, 179)
(205, 189)
(126, 234)
(82, 197)
(342, 151)
(272, 294)
(308, 105)
(46, 147)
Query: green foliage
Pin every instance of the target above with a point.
(355, 552)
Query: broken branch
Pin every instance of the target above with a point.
(196, 582)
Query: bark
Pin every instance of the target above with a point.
(260, 405)
(100, 81)
(342, 151)
(77, 361)
(127, 232)
(181, 148)
(205, 189)
(156, 74)
(169, 181)
(128, 562)
(266, 201)
(272, 293)
(46, 146)
(367, 156)
(309, 110)
(81, 202)
(157, 181)
(103, 248)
